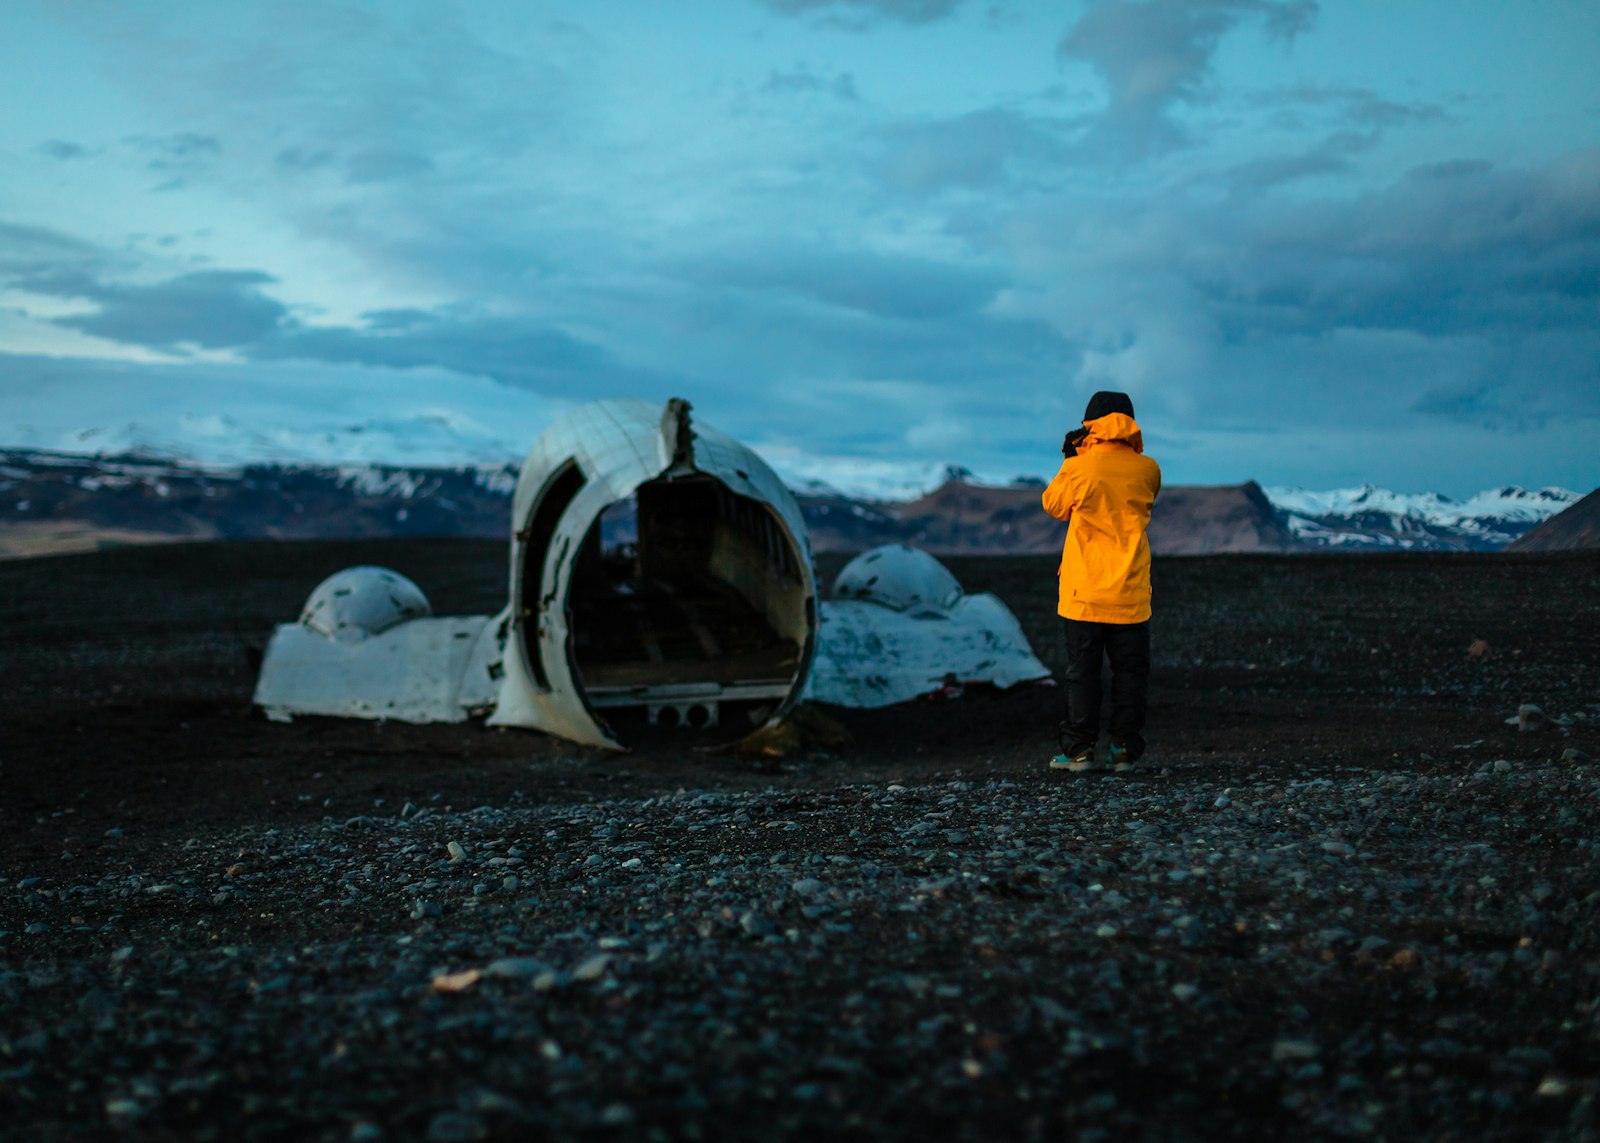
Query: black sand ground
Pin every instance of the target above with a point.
(1345, 900)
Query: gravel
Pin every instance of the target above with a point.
(1346, 898)
(1359, 952)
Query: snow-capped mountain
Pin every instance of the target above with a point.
(1370, 517)
(872, 480)
(55, 501)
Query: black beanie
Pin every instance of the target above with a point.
(1106, 402)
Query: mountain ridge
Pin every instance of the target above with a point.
(57, 501)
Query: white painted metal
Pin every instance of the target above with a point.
(902, 635)
(362, 601)
(421, 670)
(617, 445)
(899, 577)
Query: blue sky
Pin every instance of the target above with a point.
(1319, 243)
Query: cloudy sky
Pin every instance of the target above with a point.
(1320, 243)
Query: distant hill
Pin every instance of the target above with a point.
(1194, 521)
(55, 502)
(1577, 527)
(962, 518)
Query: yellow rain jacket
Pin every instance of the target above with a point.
(1106, 492)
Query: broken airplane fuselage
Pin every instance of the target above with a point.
(660, 573)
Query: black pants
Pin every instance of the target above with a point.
(1127, 646)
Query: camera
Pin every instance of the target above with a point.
(1069, 446)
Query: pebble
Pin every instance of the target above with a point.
(593, 968)
(453, 1127)
(514, 968)
(457, 853)
(1288, 1051)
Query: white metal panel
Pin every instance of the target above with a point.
(414, 672)
(899, 577)
(357, 602)
(480, 677)
(617, 446)
(869, 656)
(559, 708)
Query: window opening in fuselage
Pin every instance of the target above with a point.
(688, 582)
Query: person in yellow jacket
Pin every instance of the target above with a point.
(1105, 489)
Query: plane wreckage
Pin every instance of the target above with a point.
(660, 572)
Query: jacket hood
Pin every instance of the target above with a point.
(1108, 401)
(1115, 427)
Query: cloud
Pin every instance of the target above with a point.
(1352, 122)
(1449, 250)
(369, 165)
(1155, 54)
(182, 151)
(302, 159)
(976, 150)
(1521, 385)
(212, 309)
(1331, 156)
(860, 13)
(61, 149)
(233, 413)
(386, 90)
(517, 351)
(380, 165)
(814, 270)
(802, 82)
(899, 287)
(1460, 295)
(31, 250)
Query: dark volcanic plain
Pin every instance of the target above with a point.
(1345, 899)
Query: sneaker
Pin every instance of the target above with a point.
(1083, 762)
(1120, 760)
